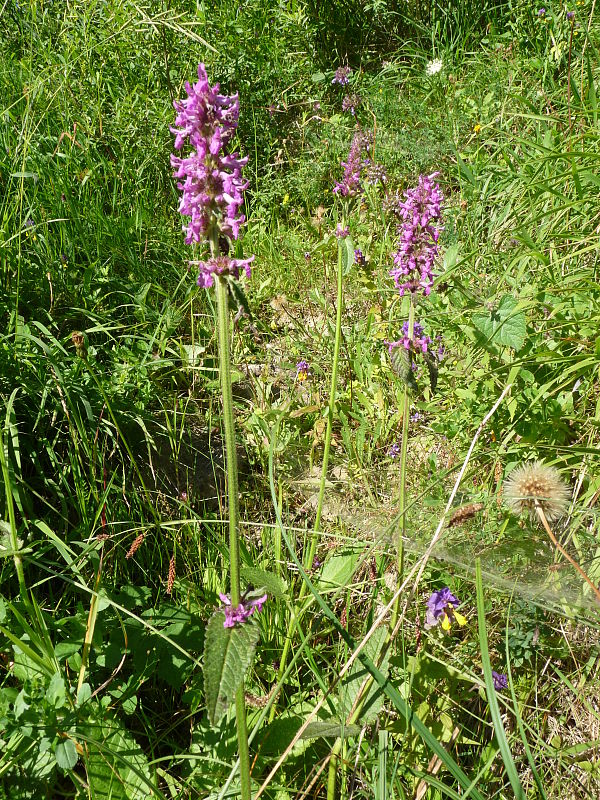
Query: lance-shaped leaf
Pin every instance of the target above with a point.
(402, 365)
(228, 653)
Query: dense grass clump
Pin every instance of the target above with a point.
(401, 599)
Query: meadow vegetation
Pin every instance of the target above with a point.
(418, 463)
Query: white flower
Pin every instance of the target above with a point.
(433, 67)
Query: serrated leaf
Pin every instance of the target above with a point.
(347, 255)
(358, 674)
(329, 730)
(402, 366)
(65, 754)
(338, 570)
(261, 578)
(228, 653)
(504, 326)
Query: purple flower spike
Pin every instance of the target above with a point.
(237, 615)
(342, 233)
(210, 178)
(541, 12)
(341, 76)
(359, 257)
(441, 608)
(350, 186)
(500, 681)
(418, 244)
(570, 15)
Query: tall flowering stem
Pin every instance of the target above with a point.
(414, 260)
(403, 463)
(212, 195)
(233, 501)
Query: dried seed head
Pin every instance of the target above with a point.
(464, 513)
(536, 485)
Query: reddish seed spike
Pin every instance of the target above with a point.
(135, 545)
(171, 575)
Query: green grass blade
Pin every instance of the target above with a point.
(511, 769)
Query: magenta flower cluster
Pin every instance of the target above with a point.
(418, 343)
(210, 178)
(342, 74)
(221, 265)
(237, 615)
(418, 244)
(350, 186)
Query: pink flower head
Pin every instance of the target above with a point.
(418, 243)
(210, 178)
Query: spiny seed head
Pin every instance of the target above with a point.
(536, 485)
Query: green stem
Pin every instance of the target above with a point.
(403, 464)
(229, 435)
(297, 613)
(233, 502)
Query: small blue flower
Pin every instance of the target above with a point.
(500, 681)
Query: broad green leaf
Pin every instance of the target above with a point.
(338, 570)
(116, 765)
(65, 754)
(20, 704)
(504, 326)
(355, 679)
(84, 694)
(228, 653)
(261, 578)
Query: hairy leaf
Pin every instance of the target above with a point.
(228, 653)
